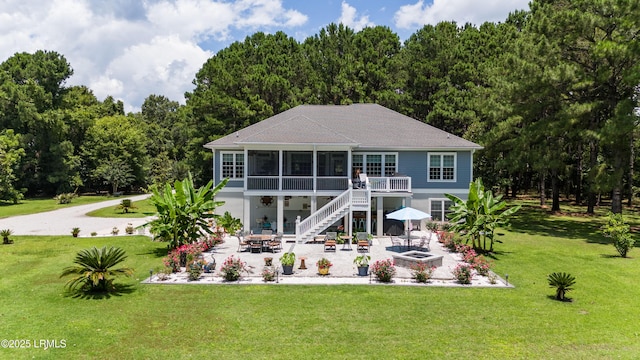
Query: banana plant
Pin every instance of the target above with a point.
(480, 215)
(183, 211)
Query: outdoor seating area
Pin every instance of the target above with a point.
(265, 242)
(255, 250)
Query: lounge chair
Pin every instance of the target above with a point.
(330, 241)
(362, 241)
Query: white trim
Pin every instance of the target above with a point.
(442, 154)
(235, 166)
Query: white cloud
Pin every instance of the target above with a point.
(349, 18)
(131, 49)
(461, 11)
(164, 66)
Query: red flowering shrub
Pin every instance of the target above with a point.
(384, 270)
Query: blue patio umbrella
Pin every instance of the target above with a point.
(408, 213)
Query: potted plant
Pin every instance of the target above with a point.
(75, 231)
(115, 231)
(362, 263)
(5, 236)
(287, 260)
(323, 266)
(129, 229)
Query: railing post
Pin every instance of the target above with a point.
(298, 229)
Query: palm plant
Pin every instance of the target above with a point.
(126, 205)
(94, 269)
(5, 236)
(563, 282)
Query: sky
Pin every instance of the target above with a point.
(130, 49)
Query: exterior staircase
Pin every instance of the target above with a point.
(350, 200)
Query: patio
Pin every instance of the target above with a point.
(343, 270)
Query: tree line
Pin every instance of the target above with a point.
(551, 93)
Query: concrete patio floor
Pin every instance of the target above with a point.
(343, 270)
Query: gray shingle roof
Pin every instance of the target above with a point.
(358, 125)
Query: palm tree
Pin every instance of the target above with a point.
(5, 236)
(94, 269)
(563, 282)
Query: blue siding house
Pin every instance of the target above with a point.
(296, 172)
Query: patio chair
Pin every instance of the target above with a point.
(256, 246)
(276, 243)
(242, 245)
(396, 242)
(362, 236)
(362, 241)
(330, 241)
(424, 243)
(363, 181)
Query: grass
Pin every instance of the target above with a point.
(313, 322)
(32, 206)
(142, 209)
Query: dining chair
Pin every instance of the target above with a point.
(276, 243)
(242, 244)
(396, 242)
(424, 243)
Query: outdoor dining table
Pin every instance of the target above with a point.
(259, 238)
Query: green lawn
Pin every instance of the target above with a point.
(142, 209)
(32, 206)
(338, 322)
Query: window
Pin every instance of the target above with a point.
(263, 163)
(375, 164)
(440, 209)
(442, 166)
(232, 165)
(298, 163)
(332, 163)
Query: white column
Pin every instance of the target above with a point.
(379, 215)
(246, 213)
(280, 212)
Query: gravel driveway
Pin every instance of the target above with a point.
(60, 222)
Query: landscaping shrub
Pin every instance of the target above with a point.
(563, 283)
(65, 198)
(94, 269)
(422, 272)
(232, 268)
(384, 270)
(618, 230)
(463, 273)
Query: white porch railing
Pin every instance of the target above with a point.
(390, 184)
(297, 183)
(306, 183)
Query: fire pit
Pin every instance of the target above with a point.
(406, 259)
